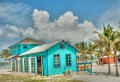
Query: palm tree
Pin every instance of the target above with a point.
(111, 38)
(5, 53)
(82, 47)
(90, 50)
(99, 45)
(115, 38)
(104, 40)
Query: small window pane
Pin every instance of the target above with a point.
(21, 65)
(33, 65)
(26, 65)
(68, 60)
(56, 60)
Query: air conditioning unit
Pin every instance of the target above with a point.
(68, 73)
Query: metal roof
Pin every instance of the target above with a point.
(28, 41)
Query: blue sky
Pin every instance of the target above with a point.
(84, 9)
(46, 20)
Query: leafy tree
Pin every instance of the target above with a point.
(82, 47)
(90, 50)
(104, 42)
(110, 38)
(5, 53)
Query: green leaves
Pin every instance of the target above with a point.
(5, 53)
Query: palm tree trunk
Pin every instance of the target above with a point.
(116, 66)
(109, 69)
(102, 56)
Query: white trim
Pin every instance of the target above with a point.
(42, 64)
(23, 65)
(18, 64)
(36, 64)
(11, 65)
(29, 64)
(15, 64)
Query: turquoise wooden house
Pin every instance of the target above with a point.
(31, 56)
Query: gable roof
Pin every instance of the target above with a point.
(41, 48)
(28, 41)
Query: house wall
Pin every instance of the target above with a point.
(57, 50)
(105, 60)
(48, 59)
(29, 46)
(43, 54)
(15, 49)
(19, 48)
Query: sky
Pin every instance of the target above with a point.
(52, 20)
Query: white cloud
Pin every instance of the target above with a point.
(40, 18)
(111, 16)
(1, 31)
(65, 27)
(68, 20)
(14, 13)
(12, 31)
(28, 32)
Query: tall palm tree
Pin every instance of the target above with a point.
(111, 38)
(104, 39)
(115, 38)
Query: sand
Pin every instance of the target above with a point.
(99, 77)
(4, 71)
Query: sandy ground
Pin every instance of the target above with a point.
(98, 77)
(104, 68)
(4, 71)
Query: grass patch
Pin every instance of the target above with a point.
(21, 78)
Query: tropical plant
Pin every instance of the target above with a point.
(114, 37)
(90, 51)
(99, 45)
(104, 42)
(110, 37)
(5, 53)
(82, 47)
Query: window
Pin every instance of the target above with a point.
(26, 65)
(13, 65)
(68, 60)
(21, 65)
(25, 46)
(62, 45)
(33, 65)
(16, 65)
(57, 60)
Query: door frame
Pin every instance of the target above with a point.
(41, 64)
